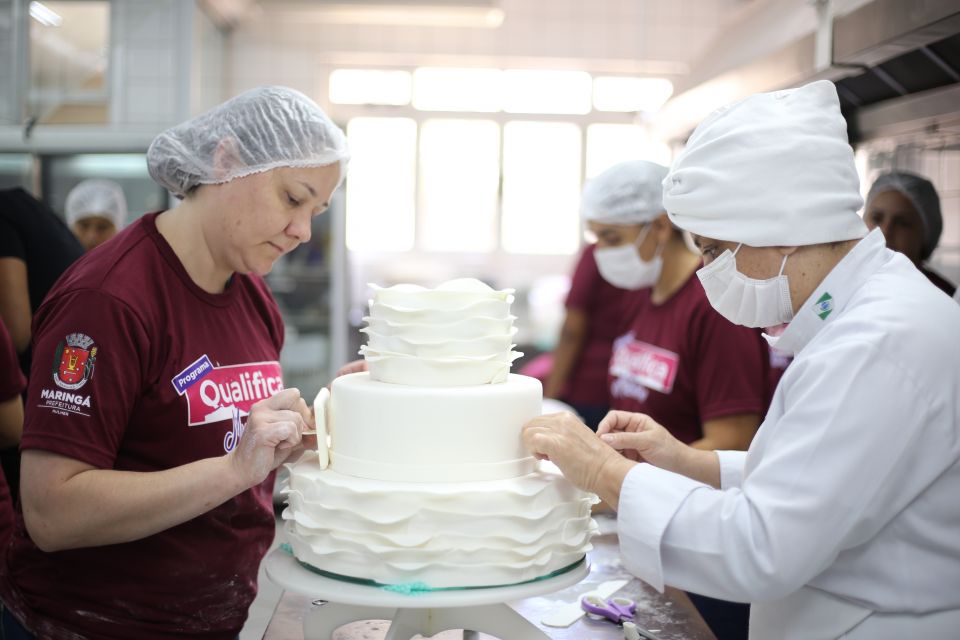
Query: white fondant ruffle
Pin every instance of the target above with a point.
(427, 517)
(515, 557)
(543, 487)
(458, 334)
(454, 294)
(527, 541)
(458, 329)
(438, 574)
(439, 345)
(468, 534)
(398, 368)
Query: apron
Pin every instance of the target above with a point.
(812, 614)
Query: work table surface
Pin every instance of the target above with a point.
(670, 615)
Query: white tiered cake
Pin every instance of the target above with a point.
(428, 481)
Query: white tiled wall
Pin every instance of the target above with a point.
(151, 41)
(943, 169)
(207, 64)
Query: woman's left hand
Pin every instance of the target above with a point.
(356, 366)
(568, 443)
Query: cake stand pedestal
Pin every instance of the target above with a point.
(426, 613)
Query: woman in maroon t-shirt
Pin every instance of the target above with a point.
(596, 313)
(679, 361)
(12, 384)
(156, 410)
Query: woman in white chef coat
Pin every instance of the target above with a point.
(841, 518)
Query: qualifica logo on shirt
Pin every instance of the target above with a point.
(824, 306)
(73, 361)
(646, 364)
(216, 393)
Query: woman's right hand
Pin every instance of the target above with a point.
(639, 437)
(272, 432)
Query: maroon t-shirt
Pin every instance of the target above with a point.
(136, 368)
(682, 363)
(609, 310)
(12, 384)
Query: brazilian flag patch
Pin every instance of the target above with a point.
(824, 306)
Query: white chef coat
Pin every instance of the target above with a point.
(849, 492)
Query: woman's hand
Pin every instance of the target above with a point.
(639, 437)
(272, 432)
(582, 457)
(352, 367)
(69, 504)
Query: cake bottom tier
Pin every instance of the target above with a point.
(436, 535)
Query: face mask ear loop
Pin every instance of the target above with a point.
(642, 235)
(660, 246)
(735, 255)
(787, 305)
(659, 252)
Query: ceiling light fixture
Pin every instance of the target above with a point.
(45, 15)
(424, 13)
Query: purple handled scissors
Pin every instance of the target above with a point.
(618, 610)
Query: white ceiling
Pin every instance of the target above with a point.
(650, 37)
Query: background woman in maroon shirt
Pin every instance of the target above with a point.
(906, 207)
(680, 362)
(12, 384)
(596, 313)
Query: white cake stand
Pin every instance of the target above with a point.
(425, 613)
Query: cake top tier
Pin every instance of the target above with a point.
(458, 334)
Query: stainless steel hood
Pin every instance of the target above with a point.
(884, 29)
(875, 52)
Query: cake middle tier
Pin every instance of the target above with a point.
(406, 433)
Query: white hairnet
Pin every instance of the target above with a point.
(922, 195)
(97, 198)
(259, 130)
(626, 193)
(774, 169)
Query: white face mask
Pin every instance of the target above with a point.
(623, 267)
(746, 301)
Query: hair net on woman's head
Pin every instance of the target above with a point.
(922, 195)
(259, 130)
(97, 198)
(626, 193)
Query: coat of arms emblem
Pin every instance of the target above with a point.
(73, 362)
